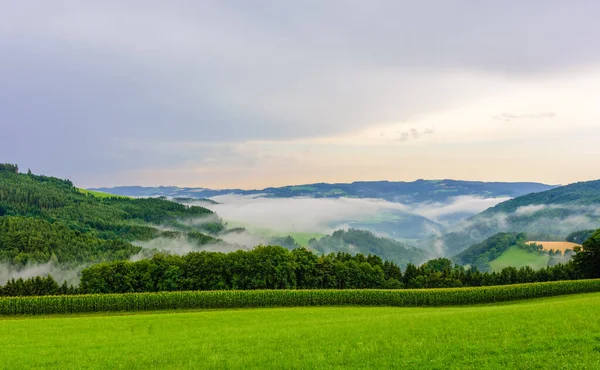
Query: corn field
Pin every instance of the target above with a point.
(288, 298)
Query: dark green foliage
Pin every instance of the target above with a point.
(44, 217)
(35, 286)
(285, 241)
(32, 240)
(437, 265)
(288, 298)
(581, 193)
(267, 267)
(587, 257)
(365, 242)
(264, 267)
(55, 199)
(7, 167)
(578, 237)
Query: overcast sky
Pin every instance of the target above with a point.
(258, 93)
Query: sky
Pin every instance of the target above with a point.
(247, 94)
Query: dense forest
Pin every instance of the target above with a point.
(48, 219)
(581, 193)
(578, 237)
(587, 257)
(365, 242)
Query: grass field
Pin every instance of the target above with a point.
(561, 246)
(100, 194)
(517, 257)
(558, 332)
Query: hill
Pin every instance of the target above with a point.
(398, 225)
(518, 257)
(418, 191)
(509, 249)
(46, 219)
(550, 215)
(361, 241)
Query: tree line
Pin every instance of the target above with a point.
(275, 267)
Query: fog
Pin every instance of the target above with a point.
(323, 215)
(59, 273)
(462, 205)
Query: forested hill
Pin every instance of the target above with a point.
(45, 218)
(578, 194)
(548, 215)
(395, 191)
(361, 241)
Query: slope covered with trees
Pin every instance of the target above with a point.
(549, 215)
(587, 257)
(365, 242)
(481, 254)
(578, 237)
(48, 219)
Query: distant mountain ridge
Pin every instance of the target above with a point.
(418, 191)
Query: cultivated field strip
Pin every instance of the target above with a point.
(288, 298)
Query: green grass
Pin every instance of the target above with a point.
(559, 332)
(99, 194)
(517, 257)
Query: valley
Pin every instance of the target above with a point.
(299, 185)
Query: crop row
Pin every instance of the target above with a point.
(288, 298)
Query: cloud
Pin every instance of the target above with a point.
(529, 210)
(297, 214)
(403, 137)
(412, 133)
(507, 117)
(97, 76)
(287, 215)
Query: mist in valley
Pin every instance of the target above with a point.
(59, 272)
(324, 215)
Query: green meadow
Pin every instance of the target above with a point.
(518, 257)
(559, 332)
(99, 194)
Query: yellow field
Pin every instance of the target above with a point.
(561, 246)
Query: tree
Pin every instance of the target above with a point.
(587, 257)
(438, 264)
